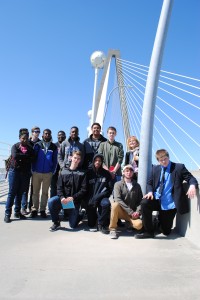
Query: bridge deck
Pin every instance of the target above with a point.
(38, 264)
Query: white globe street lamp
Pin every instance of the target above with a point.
(97, 59)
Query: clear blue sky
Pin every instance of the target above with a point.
(46, 78)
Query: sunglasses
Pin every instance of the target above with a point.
(36, 131)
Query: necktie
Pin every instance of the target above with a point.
(161, 187)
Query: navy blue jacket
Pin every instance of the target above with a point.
(46, 161)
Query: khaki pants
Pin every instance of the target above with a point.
(39, 179)
(119, 213)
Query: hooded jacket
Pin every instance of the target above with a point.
(99, 183)
(66, 149)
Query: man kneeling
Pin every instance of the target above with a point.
(71, 188)
(126, 205)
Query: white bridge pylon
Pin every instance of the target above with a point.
(99, 98)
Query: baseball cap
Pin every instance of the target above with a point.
(128, 167)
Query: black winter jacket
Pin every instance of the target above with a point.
(72, 183)
(21, 161)
(99, 184)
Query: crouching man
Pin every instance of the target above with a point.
(99, 189)
(71, 188)
(126, 205)
(165, 194)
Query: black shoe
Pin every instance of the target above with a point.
(43, 214)
(103, 229)
(33, 214)
(55, 226)
(144, 235)
(18, 215)
(7, 219)
(130, 229)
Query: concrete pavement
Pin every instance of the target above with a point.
(78, 264)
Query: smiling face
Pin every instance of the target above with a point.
(61, 136)
(128, 173)
(23, 139)
(96, 131)
(132, 144)
(162, 157)
(74, 133)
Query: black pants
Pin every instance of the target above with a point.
(100, 213)
(166, 217)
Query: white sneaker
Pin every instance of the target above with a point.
(93, 229)
(113, 234)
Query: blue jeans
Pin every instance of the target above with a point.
(54, 180)
(55, 207)
(18, 185)
(102, 213)
(25, 195)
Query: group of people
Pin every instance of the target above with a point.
(76, 177)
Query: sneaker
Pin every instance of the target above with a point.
(18, 215)
(7, 219)
(24, 211)
(33, 214)
(103, 229)
(55, 226)
(113, 234)
(43, 214)
(93, 229)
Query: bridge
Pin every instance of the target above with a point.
(38, 264)
(79, 265)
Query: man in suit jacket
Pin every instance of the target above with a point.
(165, 194)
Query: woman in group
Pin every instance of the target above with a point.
(132, 155)
(19, 173)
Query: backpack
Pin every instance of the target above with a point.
(7, 164)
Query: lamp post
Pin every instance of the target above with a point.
(97, 60)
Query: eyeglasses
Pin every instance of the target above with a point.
(36, 131)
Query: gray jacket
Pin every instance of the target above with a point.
(65, 152)
(128, 200)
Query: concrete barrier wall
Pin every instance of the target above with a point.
(188, 225)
